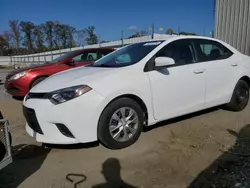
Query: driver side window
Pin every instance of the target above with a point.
(181, 51)
(86, 56)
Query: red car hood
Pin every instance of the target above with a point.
(47, 65)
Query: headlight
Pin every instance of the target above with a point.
(63, 95)
(18, 75)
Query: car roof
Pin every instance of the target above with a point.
(166, 38)
(176, 37)
(87, 49)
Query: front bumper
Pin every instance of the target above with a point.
(16, 88)
(80, 117)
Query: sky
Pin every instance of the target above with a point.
(111, 17)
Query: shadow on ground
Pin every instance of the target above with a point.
(18, 98)
(111, 170)
(232, 168)
(73, 146)
(27, 159)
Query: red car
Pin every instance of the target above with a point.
(20, 81)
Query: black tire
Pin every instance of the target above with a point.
(103, 132)
(10, 139)
(239, 98)
(37, 81)
(2, 151)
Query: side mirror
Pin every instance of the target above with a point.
(70, 62)
(164, 61)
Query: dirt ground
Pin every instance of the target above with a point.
(207, 149)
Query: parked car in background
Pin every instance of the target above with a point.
(135, 86)
(20, 81)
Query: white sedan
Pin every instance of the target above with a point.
(135, 86)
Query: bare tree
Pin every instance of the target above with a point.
(15, 28)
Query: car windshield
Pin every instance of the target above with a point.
(128, 55)
(61, 57)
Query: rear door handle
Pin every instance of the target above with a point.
(199, 71)
(234, 65)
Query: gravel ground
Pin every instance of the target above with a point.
(202, 150)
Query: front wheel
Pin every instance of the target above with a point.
(37, 81)
(120, 124)
(239, 98)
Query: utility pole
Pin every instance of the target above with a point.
(153, 31)
(122, 39)
(179, 30)
(204, 31)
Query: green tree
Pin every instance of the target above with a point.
(64, 35)
(80, 36)
(48, 29)
(28, 28)
(8, 37)
(39, 38)
(170, 32)
(186, 33)
(60, 36)
(139, 34)
(92, 38)
(70, 34)
(16, 33)
(3, 45)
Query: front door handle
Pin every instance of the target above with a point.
(199, 71)
(234, 65)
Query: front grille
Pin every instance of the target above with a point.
(35, 96)
(64, 130)
(5, 151)
(13, 90)
(31, 119)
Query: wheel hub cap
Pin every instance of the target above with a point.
(123, 124)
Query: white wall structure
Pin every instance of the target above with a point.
(232, 23)
(5, 60)
(50, 55)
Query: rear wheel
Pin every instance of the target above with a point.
(239, 98)
(38, 80)
(120, 124)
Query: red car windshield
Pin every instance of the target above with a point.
(61, 57)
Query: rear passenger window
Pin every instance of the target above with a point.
(209, 50)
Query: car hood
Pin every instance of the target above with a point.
(73, 77)
(32, 67)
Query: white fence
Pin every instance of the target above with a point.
(5, 60)
(24, 60)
